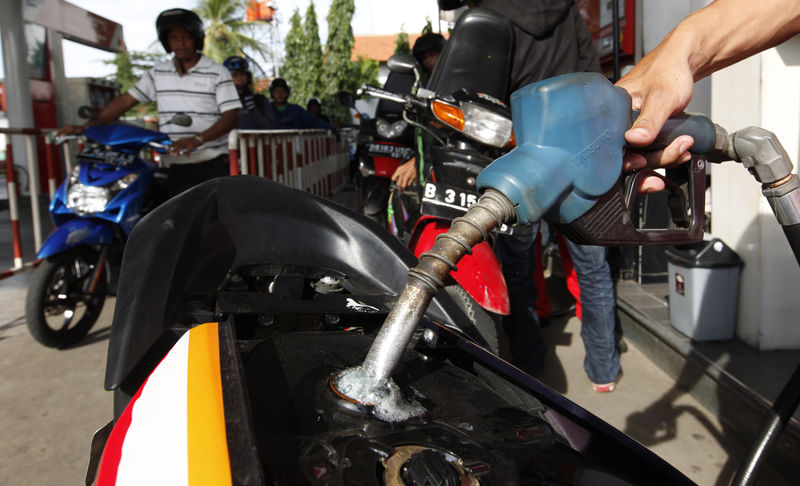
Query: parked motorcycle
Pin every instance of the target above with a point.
(275, 387)
(94, 210)
(385, 142)
(463, 126)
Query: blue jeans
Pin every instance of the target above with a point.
(599, 308)
(518, 255)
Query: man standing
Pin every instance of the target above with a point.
(551, 38)
(189, 83)
(256, 113)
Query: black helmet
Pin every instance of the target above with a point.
(450, 4)
(430, 42)
(236, 63)
(179, 17)
(279, 83)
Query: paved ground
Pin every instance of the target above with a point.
(648, 406)
(52, 401)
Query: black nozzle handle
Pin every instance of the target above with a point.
(700, 127)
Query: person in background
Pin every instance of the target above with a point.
(315, 107)
(426, 51)
(288, 115)
(551, 38)
(189, 83)
(256, 112)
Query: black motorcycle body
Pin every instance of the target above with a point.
(385, 142)
(250, 255)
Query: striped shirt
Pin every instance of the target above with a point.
(203, 93)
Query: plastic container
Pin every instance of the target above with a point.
(704, 289)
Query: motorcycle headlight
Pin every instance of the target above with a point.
(87, 199)
(475, 121)
(124, 182)
(390, 130)
(486, 126)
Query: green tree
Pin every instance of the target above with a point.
(337, 69)
(401, 45)
(312, 56)
(227, 34)
(365, 71)
(293, 69)
(428, 29)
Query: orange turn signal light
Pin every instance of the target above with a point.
(449, 114)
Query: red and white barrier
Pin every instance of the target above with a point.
(30, 135)
(309, 160)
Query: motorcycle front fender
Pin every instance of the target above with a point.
(479, 273)
(76, 232)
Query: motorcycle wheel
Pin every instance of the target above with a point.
(57, 311)
(477, 316)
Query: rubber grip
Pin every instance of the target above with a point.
(700, 127)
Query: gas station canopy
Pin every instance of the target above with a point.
(75, 24)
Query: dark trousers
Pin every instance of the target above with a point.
(185, 176)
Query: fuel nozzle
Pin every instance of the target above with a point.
(492, 210)
(570, 133)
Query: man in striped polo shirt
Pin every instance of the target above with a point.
(192, 84)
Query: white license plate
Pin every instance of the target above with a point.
(444, 196)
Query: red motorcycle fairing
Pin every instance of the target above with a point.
(385, 166)
(479, 274)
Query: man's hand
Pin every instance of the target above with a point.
(405, 174)
(185, 146)
(660, 85)
(70, 130)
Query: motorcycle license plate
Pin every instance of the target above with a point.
(450, 202)
(399, 152)
(102, 156)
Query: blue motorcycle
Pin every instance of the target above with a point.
(94, 210)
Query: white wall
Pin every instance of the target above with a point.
(762, 91)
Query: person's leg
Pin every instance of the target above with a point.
(518, 255)
(599, 305)
(185, 176)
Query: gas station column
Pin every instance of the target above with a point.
(15, 66)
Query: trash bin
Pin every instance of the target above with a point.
(704, 289)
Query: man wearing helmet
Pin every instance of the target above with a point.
(189, 83)
(288, 115)
(256, 113)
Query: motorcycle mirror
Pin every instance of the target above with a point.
(181, 119)
(402, 64)
(85, 112)
(347, 99)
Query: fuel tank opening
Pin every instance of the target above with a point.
(415, 465)
(382, 397)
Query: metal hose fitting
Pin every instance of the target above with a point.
(424, 280)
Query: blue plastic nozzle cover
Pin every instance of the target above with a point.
(570, 136)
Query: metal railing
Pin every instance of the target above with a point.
(310, 160)
(30, 135)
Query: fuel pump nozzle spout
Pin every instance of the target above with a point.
(424, 280)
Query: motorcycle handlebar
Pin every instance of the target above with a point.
(383, 94)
